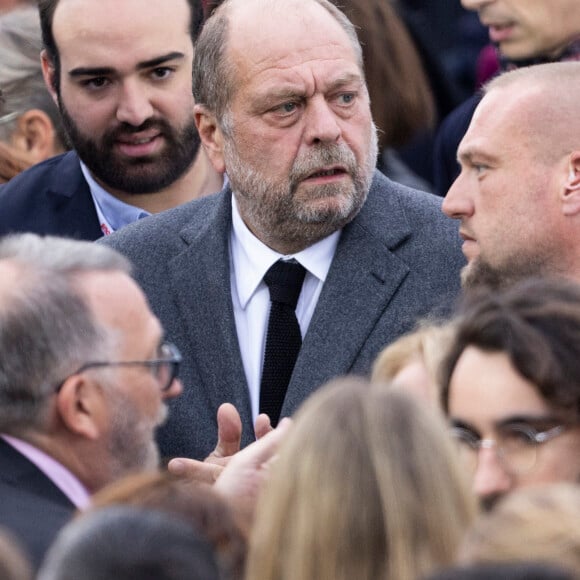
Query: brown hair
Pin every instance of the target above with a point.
(401, 99)
(537, 324)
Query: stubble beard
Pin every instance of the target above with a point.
(147, 174)
(479, 273)
(132, 447)
(272, 209)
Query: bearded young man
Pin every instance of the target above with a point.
(120, 73)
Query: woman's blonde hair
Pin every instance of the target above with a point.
(365, 487)
(540, 524)
(427, 343)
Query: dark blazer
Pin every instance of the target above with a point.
(394, 263)
(53, 198)
(32, 507)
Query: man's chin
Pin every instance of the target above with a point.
(480, 274)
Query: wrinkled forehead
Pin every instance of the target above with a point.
(256, 38)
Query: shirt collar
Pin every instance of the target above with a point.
(115, 212)
(66, 481)
(252, 258)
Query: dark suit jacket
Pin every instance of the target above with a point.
(53, 198)
(394, 263)
(32, 507)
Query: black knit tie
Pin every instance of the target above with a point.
(283, 341)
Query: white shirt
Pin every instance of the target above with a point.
(250, 259)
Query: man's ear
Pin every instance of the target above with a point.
(211, 136)
(81, 406)
(49, 74)
(35, 136)
(571, 189)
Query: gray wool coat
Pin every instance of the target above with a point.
(395, 262)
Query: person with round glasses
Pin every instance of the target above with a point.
(511, 386)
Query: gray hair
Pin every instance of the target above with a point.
(213, 73)
(22, 86)
(47, 329)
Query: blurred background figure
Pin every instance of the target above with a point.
(30, 127)
(522, 33)
(199, 506)
(451, 37)
(365, 486)
(402, 103)
(540, 524)
(7, 5)
(126, 543)
(412, 362)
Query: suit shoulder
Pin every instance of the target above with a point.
(164, 229)
(390, 199)
(32, 180)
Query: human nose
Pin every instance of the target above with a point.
(491, 479)
(134, 106)
(457, 204)
(321, 123)
(174, 390)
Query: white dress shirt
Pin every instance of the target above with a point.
(250, 259)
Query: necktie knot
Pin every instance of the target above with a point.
(284, 280)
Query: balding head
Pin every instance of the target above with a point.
(213, 71)
(545, 97)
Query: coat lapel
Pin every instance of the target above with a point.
(68, 195)
(201, 287)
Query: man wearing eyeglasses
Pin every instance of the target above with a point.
(84, 377)
(511, 387)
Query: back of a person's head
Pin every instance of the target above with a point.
(536, 323)
(200, 506)
(365, 487)
(426, 345)
(126, 543)
(46, 324)
(539, 523)
(504, 571)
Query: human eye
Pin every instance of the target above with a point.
(346, 99)
(517, 437)
(161, 72)
(480, 168)
(95, 83)
(286, 109)
(465, 438)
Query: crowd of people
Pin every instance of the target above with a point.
(240, 339)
